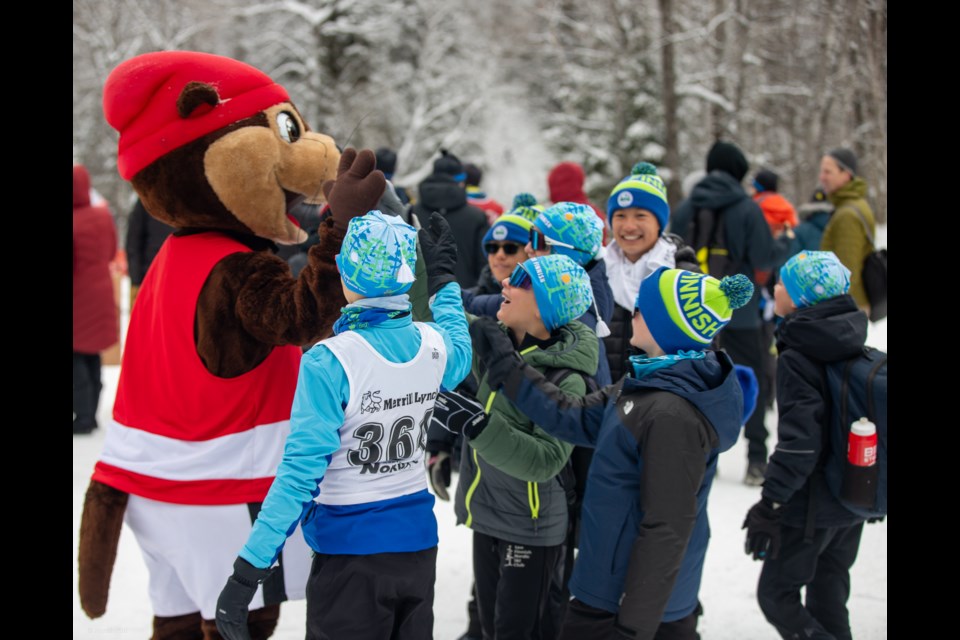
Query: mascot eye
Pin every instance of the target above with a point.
(289, 129)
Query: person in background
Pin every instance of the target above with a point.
(477, 197)
(387, 162)
(800, 549)
(814, 216)
(145, 234)
(657, 433)
(95, 322)
(638, 212)
(852, 226)
(751, 247)
(444, 191)
(361, 405)
(565, 183)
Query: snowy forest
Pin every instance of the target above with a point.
(518, 85)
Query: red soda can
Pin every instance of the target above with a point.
(862, 444)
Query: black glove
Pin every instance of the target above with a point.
(763, 530)
(357, 189)
(438, 470)
(873, 520)
(439, 252)
(495, 350)
(234, 601)
(459, 413)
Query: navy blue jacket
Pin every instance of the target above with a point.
(828, 331)
(747, 234)
(644, 532)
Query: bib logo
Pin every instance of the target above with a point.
(700, 318)
(500, 232)
(625, 199)
(370, 402)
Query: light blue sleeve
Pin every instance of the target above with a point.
(451, 321)
(315, 420)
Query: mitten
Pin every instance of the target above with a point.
(439, 252)
(459, 413)
(763, 530)
(495, 350)
(234, 601)
(357, 189)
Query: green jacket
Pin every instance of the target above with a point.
(846, 236)
(508, 486)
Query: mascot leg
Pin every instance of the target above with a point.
(185, 627)
(261, 622)
(100, 524)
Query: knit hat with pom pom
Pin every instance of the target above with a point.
(525, 205)
(685, 310)
(643, 189)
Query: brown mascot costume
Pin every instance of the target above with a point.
(214, 148)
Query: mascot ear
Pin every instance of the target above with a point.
(196, 99)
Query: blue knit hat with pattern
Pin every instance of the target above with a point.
(574, 224)
(378, 255)
(685, 310)
(561, 287)
(643, 189)
(812, 276)
(508, 228)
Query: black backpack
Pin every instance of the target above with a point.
(858, 388)
(708, 239)
(874, 275)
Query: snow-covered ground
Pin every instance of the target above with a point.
(727, 592)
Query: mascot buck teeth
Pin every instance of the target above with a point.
(216, 149)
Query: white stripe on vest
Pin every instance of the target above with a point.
(255, 453)
(384, 432)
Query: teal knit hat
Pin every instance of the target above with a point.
(378, 255)
(643, 189)
(561, 287)
(812, 276)
(525, 205)
(573, 224)
(685, 310)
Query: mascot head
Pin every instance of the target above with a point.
(209, 142)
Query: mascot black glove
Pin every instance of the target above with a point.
(439, 252)
(459, 413)
(763, 530)
(495, 350)
(438, 470)
(234, 601)
(357, 189)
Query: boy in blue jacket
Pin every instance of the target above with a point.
(657, 434)
(352, 469)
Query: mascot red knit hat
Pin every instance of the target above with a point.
(140, 101)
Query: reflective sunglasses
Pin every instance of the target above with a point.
(540, 242)
(520, 279)
(509, 248)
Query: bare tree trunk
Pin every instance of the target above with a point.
(669, 73)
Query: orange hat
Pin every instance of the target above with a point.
(140, 101)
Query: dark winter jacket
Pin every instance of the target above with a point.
(440, 192)
(747, 233)
(828, 331)
(644, 531)
(617, 344)
(846, 234)
(509, 487)
(814, 217)
(145, 235)
(483, 299)
(96, 323)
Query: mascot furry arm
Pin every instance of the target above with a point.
(214, 148)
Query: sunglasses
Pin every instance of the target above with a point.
(509, 248)
(520, 279)
(540, 242)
